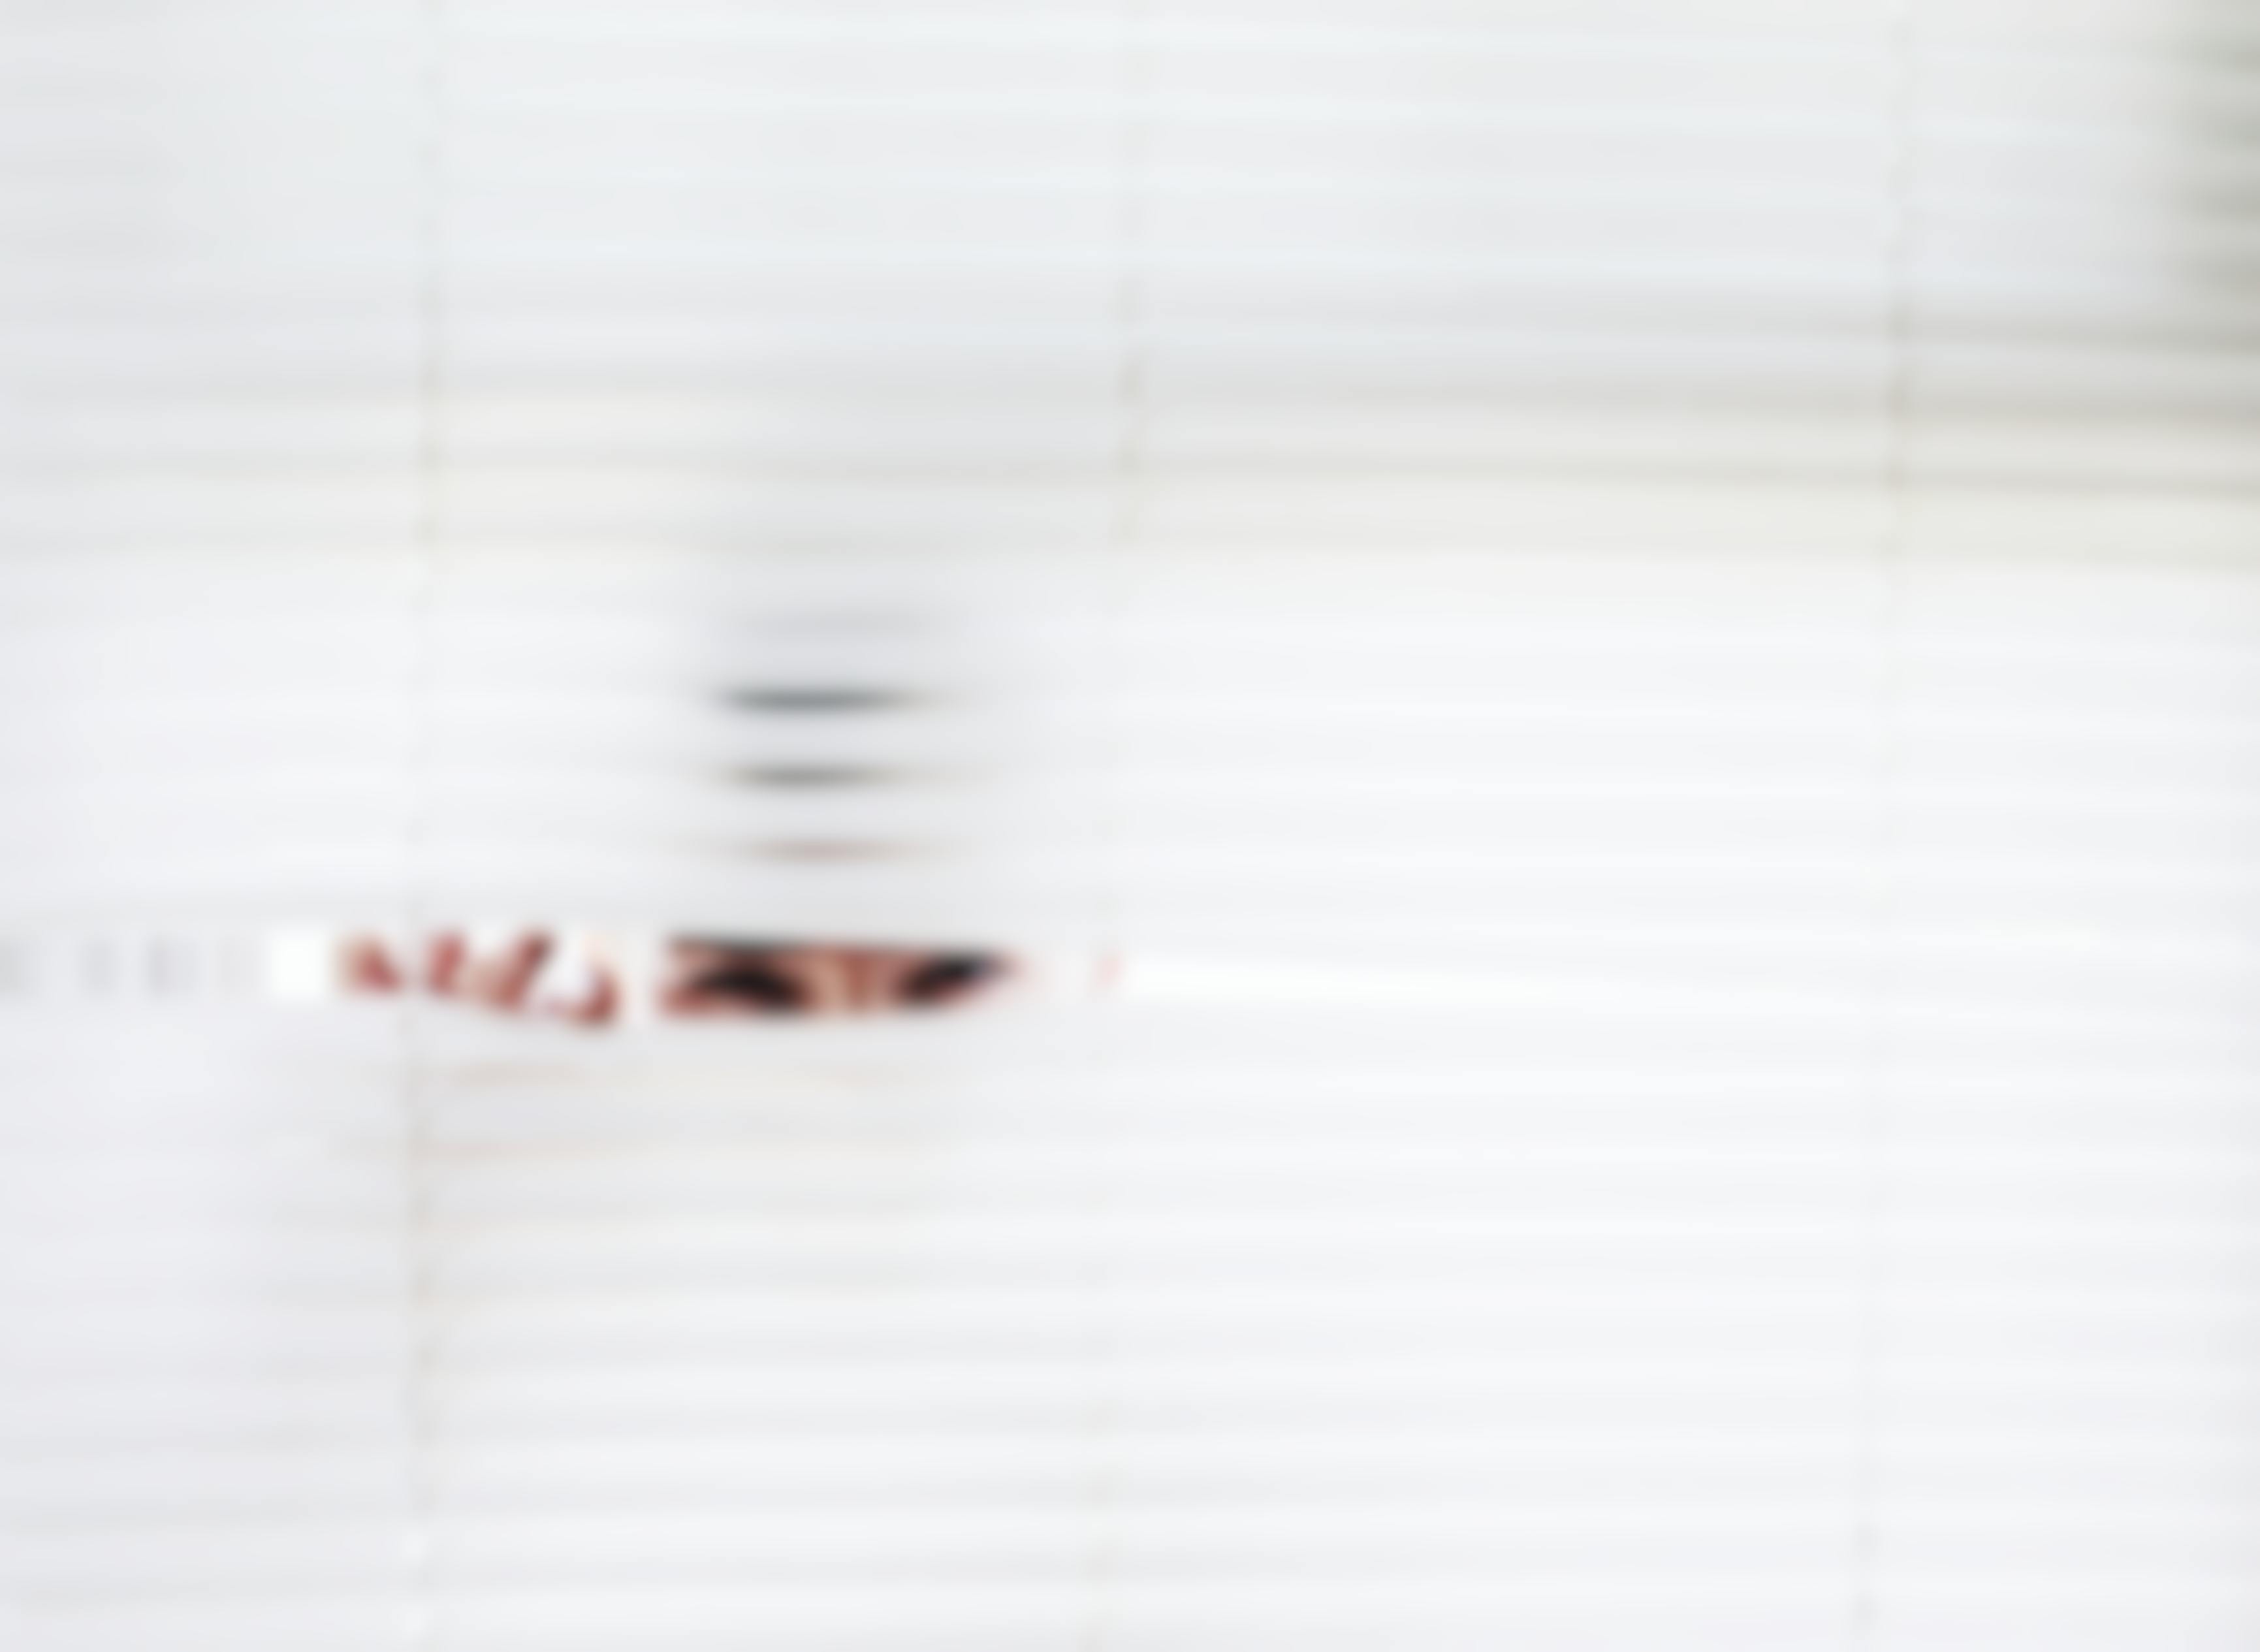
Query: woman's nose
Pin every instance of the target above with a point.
(833, 980)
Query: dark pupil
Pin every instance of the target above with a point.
(752, 983)
(946, 978)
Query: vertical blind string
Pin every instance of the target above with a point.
(1879, 1061)
(1128, 484)
(427, 577)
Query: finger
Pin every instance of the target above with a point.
(366, 966)
(443, 962)
(504, 983)
(600, 1006)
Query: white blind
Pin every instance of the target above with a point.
(1621, 639)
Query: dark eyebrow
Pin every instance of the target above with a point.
(762, 945)
(810, 777)
(828, 849)
(816, 698)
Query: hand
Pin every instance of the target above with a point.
(510, 980)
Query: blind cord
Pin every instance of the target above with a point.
(1128, 481)
(428, 571)
(1880, 1059)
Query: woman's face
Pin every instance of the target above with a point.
(725, 978)
(702, 978)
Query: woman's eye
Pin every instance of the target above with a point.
(947, 977)
(749, 983)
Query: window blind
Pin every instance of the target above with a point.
(1601, 658)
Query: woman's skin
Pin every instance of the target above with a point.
(703, 978)
(706, 978)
